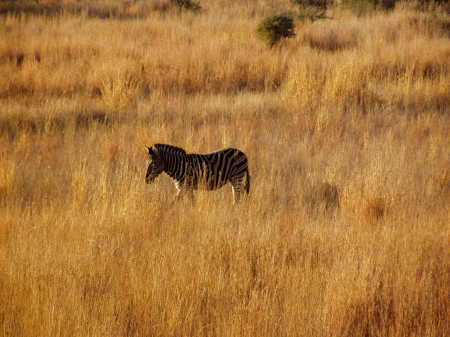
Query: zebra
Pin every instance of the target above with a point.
(199, 171)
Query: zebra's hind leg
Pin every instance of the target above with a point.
(237, 187)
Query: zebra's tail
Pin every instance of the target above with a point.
(247, 182)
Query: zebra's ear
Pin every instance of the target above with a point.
(152, 151)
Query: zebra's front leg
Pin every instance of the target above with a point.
(181, 193)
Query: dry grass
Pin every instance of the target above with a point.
(347, 130)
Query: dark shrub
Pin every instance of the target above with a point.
(186, 4)
(274, 28)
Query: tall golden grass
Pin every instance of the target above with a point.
(346, 127)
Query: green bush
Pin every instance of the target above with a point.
(274, 28)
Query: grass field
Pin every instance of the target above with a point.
(346, 126)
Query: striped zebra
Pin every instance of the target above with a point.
(199, 171)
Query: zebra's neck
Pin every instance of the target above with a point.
(175, 165)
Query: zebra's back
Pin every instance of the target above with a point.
(213, 170)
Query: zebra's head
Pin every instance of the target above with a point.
(156, 165)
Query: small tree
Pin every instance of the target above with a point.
(274, 28)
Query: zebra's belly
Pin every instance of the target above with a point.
(210, 187)
(203, 186)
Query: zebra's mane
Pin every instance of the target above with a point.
(170, 148)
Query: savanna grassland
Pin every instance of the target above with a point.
(346, 126)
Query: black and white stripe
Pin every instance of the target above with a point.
(200, 171)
